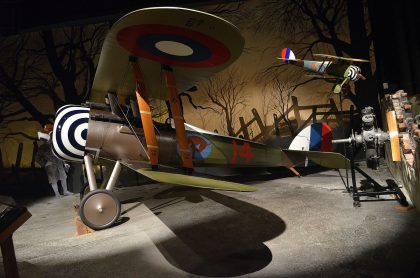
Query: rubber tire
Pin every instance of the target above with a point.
(107, 225)
(85, 190)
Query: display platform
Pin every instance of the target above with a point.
(289, 227)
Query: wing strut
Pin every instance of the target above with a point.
(145, 114)
(181, 135)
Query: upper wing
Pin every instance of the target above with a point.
(194, 44)
(340, 58)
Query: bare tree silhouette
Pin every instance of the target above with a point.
(59, 64)
(282, 88)
(72, 54)
(19, 77)
(225, 91)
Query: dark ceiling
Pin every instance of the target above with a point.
(395, 26)
(18, 16)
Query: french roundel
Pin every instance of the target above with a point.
(70, 132)
(172, 45)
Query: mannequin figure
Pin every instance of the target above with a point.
(54, 167)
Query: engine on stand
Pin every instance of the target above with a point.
(371, 139)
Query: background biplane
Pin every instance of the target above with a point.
(156, 53)
(339, 70)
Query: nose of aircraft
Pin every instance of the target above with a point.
(70, 132)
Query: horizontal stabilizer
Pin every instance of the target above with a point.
(185, 180)
(326, 159)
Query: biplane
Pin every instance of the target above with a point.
(339, 70)
(156, 53)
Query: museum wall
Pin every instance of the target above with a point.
(43, 70)
(406, 171)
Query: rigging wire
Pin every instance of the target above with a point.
(124, 78)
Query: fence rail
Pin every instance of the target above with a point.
(280, 122)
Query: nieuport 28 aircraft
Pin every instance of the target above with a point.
(156, 53)
(339, 70)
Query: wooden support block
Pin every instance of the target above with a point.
(403, 208)
(81, 228)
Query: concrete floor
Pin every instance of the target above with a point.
(290, 227)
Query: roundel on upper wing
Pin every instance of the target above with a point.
(172, 45)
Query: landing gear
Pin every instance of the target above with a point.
(337, 88)
(100, 209)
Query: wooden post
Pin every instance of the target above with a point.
(34, 151)
(296, 110)
(244, 127)
(19, 156)
(258, 119)
(314, 114)
(1, 160)
(276, 124)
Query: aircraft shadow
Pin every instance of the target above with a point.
(230, 245)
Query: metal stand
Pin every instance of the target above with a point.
(391, 188)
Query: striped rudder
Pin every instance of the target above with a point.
(316, 137)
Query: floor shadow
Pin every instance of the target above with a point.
(121, 221)
(230, 245)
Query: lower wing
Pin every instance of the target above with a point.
(192, 181)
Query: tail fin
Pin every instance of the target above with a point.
(316, 137)
(287, 55)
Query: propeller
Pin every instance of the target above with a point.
(394, 138)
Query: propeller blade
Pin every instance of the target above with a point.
(361, 76)
(393, 135)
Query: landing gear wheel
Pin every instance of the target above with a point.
(85, 190)
(337, 88)
(100, 209)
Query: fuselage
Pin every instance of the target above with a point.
(330, 69)
(109, 137)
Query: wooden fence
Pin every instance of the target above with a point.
(299, 122)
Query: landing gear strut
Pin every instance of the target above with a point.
(100, 208)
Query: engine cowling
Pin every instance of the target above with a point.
(70, 132)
